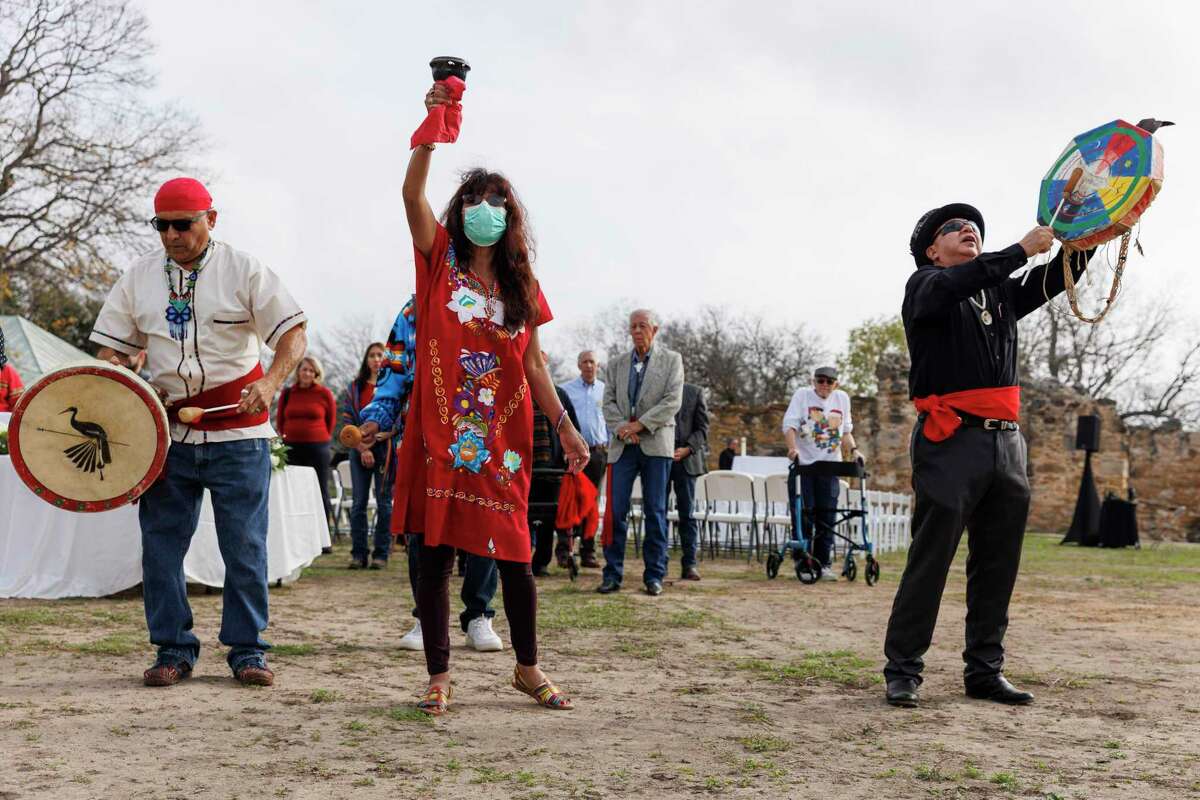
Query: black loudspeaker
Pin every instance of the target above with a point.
(1087, 433)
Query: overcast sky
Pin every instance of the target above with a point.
(770, 156)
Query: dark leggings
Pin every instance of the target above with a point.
(315, 455)
(433, 605)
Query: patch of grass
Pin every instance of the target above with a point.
(490, 775)
(364, 782)
(1159, 563)
(119, 731)
(639, 648)
(834, 666)
(609, 613)
(1053, 680)
(115, 644)
(971, 772)
(763, 744)
(754, 714)
(356, 725)
(927, 772)
(19, 619)
(1112, 744)
(453, 765)
(689, 618)
(1005, 780)
(324, 696)
(408, 714)
(293, 649)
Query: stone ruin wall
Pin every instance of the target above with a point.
(1162, 466)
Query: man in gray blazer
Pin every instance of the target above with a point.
(643, 390)
(691, 444)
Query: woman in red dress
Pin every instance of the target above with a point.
(464, 465)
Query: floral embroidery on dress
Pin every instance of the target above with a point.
(478, 309)
(469, 451)
(510, 465)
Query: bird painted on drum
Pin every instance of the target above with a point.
(93, 454)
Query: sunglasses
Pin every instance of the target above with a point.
(956, 225)
(824, 380)
(181, 225)
(493, 199)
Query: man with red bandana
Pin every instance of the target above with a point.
(960, 317)
(195, 316)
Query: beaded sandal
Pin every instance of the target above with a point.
(546, 694)
(435, 701)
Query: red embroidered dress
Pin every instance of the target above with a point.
(464, 465)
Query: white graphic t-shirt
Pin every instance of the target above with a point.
(819, 423)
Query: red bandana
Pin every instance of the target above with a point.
(182, 194)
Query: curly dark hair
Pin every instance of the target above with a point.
(514, 253)
(364, 369)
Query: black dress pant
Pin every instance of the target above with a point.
(315, 455)
(975, 479)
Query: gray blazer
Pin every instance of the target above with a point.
(658, 401)
(691, 428)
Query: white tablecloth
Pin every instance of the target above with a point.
(761, 465)
(47, 553)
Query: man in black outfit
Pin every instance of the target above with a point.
(691, 444)
(960, 317)
(725, 457)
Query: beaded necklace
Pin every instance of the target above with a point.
(179, 303)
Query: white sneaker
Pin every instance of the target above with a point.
(481, 637)
(413, 640)
(827, 574)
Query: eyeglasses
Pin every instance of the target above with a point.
(181, 225)
(956, 225)
(493, 199)
(823, 380)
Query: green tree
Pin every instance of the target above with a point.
(866, 344)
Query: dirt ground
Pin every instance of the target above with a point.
(732, 687)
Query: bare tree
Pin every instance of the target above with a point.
(81, 149)
(1134, 357)
(341, 348)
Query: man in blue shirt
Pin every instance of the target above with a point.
(587, 396)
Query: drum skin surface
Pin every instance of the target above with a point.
(89, 437)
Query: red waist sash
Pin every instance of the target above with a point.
(222, 396)
(941, 421)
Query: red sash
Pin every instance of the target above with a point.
(577, 505)
(222, 396)
(997, 402)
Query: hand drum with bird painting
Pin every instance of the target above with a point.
(89, 436)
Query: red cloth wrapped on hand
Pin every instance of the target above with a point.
(999, 402)
(577, 505)
(442, 122)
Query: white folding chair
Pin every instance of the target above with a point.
(347, 501)
(730, 501)
(777, 512)
(335, 500)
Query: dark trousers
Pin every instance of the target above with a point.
(383, 476)
(594, 472)
(684, 486)
(433, 600)
(315, 455)
(543, 508)
(975, 479)
(479, 583)
(654, 471)
(820, 493)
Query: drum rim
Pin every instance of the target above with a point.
(120, 375)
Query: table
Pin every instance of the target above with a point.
(46, 552)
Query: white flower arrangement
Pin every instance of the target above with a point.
(3, 438)
(279, 451)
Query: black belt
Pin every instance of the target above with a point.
(987, 423)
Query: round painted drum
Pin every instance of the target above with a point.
(89, 437)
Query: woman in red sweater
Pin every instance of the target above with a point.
(305, 420)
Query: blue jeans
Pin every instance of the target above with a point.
(820, 494)
(685, 501)
(360, 488)
(654, 471)
(480, 579)
(238, 476)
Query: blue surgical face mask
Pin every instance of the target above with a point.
(484, 224)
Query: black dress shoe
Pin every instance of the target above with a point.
(903, 692)
(690, 574)
(608, 587)
(653, 588)
(999, 690)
